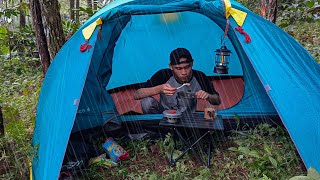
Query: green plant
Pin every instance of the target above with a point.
(253, 5)
(20, 84)
(4, 49)
(179, 172)
(20, 40)
(294, 11)
(23, 40)
(14, 159)
(70, 27)
(88, 11)
(204, 173)
(265, 152)
(136, 147)
(167, 143)
(307, 34)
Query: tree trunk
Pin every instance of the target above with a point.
(1, 123)
(52, 25)
(77, 11)
(95, 5)
(22, 24)
(72, 10)
(42, 45)
(89, 4)
(22, 15)
(268, 9)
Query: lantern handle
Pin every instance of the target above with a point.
(223, 41)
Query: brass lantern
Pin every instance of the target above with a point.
(222, 60)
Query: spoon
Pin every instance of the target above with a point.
(184, 84)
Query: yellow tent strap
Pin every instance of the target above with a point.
(88, 31)
(30, 169)
(238, 16)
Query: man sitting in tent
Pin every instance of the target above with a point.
(166, 82)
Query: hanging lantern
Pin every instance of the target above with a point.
(222, 60)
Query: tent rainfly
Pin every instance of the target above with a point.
(127, 41)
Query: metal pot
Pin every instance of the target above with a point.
(186, 101)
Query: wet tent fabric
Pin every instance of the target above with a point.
(291, 77)
(96, 103)
(59, 100)
(73, 97)
(57, 106)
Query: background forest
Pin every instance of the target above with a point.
(31, 34)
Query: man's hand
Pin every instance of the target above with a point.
(202, 95)
(168, 90)
(212, 99)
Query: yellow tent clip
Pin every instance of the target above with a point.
(238, 16)
(88, 31)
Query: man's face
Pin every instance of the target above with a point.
(182, 72)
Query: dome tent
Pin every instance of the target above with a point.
(130, 41)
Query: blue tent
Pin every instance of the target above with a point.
(134, 40)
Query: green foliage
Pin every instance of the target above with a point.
(263, 153)
(308, 35)
(69, 27)
(294, 11)
(4, 49)
(253, 5)
(20, 82)
(18, 40)
(88, 11)
(9, 12)
(289, 11)
(23, 40)
(166, 144)
(19, 89)
(204, 173)
(300, 18)
(266, 152)
(14, 159)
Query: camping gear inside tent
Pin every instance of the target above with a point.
(92, 78)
